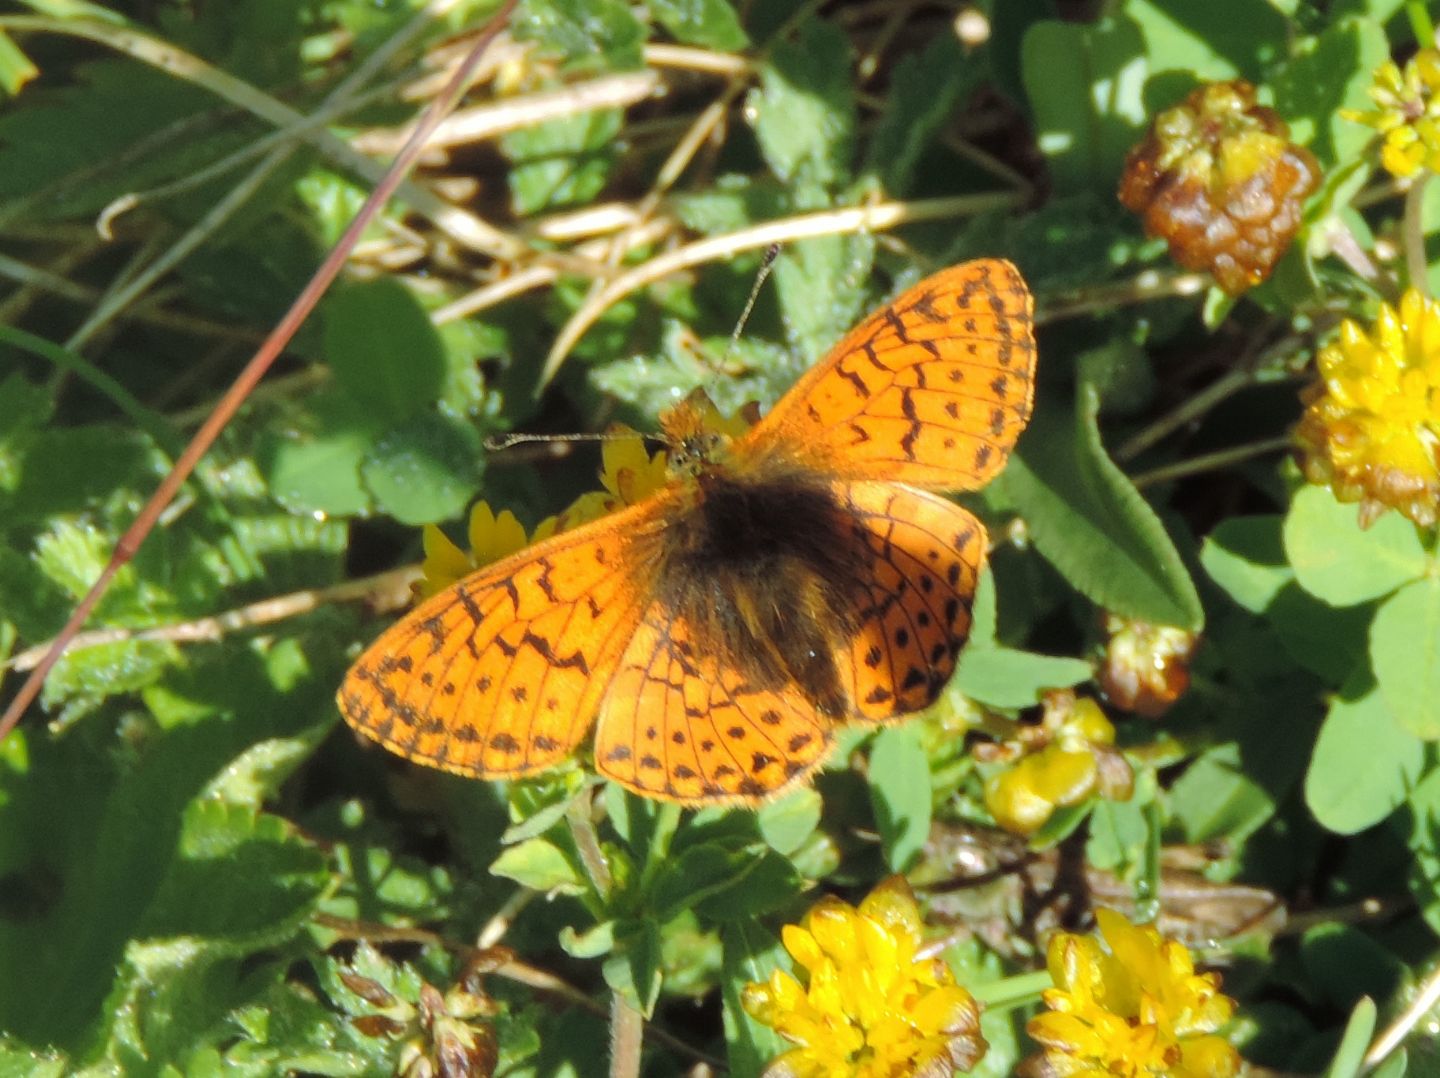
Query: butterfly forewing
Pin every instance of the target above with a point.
(932, 390)
(501, 673)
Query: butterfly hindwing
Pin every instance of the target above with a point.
(918, 559)
(683, 721)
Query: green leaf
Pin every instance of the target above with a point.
(383, 349)
(1365, 764)
(1008, 677)
(900, 794)
(1091, 523)
(424, 470)
(821, 284)
(786, 824)
(565, 162)
(1338, 561)
(925, 89)
(805, 108)
(242, 878)
(539, 865)
(1329, 641)
(698, 872)
(62, 133)
(1246, 557)
(318, 469)
(1345, 964)
(79, 469)
(767, 882)
(1084, 83)
(633, 967)
(15, 67)
(1405, 655)
(1322, 76)
(1186, 43)
(592, 943)
(589, 33)
(1349, 1059)
(722, 883)
(751, 954)
(708, 24)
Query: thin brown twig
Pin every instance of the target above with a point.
(386, 591)
(255, 370)
(869, 218)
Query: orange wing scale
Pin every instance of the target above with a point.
(500, 674)
(932, 390)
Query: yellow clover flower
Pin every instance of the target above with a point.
(1408, 114)
(628, 473)
(1130, 1007)
(869, 1008)
(491, 538)
(1371, 431)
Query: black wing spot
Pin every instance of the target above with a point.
(504, 743)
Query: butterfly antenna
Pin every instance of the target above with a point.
(766, 265)
(497, 442)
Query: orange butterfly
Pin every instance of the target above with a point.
(719, 631)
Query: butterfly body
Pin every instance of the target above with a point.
(780, 584)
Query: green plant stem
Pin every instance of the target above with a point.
(1420, 23)
(118, 298)
(1209, 462)
(1011, 992)
(587, 843)
(627, 1034)
(152, 423)
(1413, 233)
(1191, 409)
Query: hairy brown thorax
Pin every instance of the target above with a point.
(761, 566)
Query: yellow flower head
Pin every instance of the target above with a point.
(1407, 114)
(491, 538)
(1129, 1007)
(869, 1007)
(1372, 427)
(628, 473)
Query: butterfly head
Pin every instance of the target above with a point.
(697, 436)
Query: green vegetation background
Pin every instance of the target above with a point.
(190, 840)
